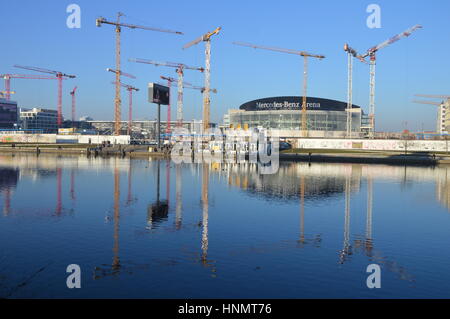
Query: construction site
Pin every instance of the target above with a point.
(294, 119)
(250, 151)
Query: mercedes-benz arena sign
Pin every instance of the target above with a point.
(294, 103)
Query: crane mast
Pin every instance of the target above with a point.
(349, 95)
(117, 98)
(351, 53)
(130, 90)
(180, 97)
(305, 88)
(206, 97)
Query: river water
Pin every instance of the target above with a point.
(145, 228)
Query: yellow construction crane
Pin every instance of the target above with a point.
(305, 56)
(206, 100)
(119, 25)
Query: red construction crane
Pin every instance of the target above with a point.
(372, 54)
(130, 90)
(59, 76)
(119, 25)
(8, 77)
(180, 67)
(305, 56)
(206, 100)
(72, 93)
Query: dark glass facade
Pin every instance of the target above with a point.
(8, 114)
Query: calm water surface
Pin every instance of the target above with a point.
(221, 231)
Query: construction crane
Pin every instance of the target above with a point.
(180, 67)
(72, 93)
(351, 53)
(119, 25)
(206, 100)
(59, 75)
(7, 77)
(130, 90)
(371, 53)
(305, 56)
(442, 109)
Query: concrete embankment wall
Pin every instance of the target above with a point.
(63, 139)
(374, 145)
(28, 138)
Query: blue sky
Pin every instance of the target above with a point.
(35, 34)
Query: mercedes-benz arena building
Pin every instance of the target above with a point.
(325, 117)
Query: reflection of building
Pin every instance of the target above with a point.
(322, 181)
(443, 188)
(39, 119)
(8, 114)
(325, 118)
(8, 177)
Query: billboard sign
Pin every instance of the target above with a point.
(158, 94)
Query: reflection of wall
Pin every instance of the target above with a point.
(71, 139)
(51, 161)
(382, 145)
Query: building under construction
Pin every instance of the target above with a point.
(325, 117)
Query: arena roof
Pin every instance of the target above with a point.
(294, 103)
